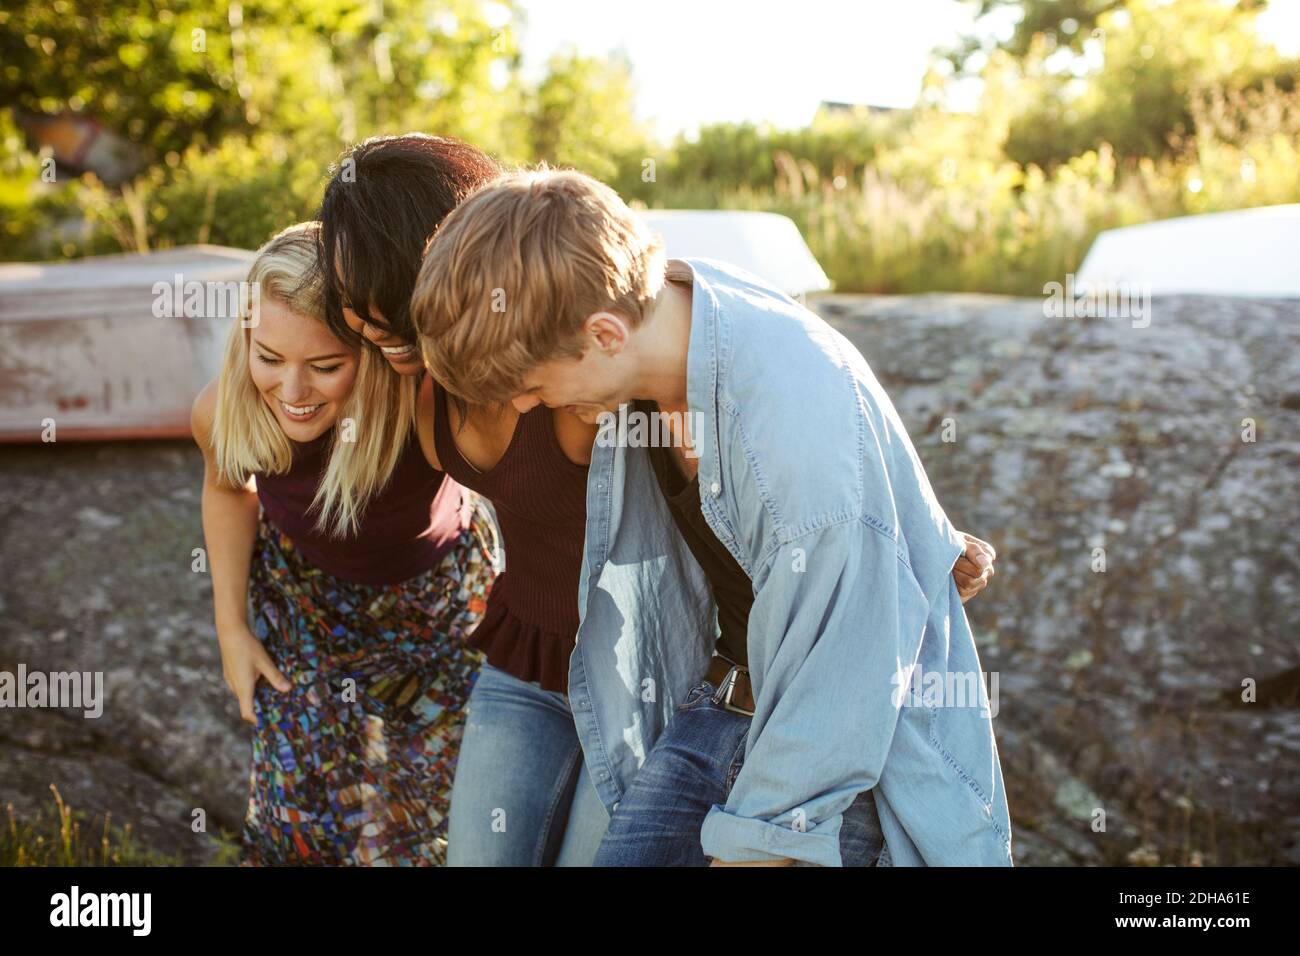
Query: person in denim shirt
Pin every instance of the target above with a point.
(544, 287)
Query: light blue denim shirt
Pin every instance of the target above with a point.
(864, 668)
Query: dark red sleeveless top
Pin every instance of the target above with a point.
(405, 530)
(540, 498)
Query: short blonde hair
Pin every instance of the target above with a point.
(514, 271)
(246, 437)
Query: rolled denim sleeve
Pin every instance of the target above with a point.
(834, 631)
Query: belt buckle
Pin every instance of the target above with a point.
(727, 687)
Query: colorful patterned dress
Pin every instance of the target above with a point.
(354, 765)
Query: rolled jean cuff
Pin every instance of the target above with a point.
(734, 839)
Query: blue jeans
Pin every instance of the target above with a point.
(521, 796)
(691, 767)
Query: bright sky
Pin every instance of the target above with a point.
(701, 61)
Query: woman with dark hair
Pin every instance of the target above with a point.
(521, 794)
(389, 190)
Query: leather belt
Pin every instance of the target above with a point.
(734, 692)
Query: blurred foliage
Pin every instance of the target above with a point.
(1132, 81)
(745, 156)
(945, 210)
(1094, 114)
(581, 115)
(1060, 24)
(170, 74)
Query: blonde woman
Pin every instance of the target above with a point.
(366, 568)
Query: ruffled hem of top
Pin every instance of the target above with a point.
(524, 650)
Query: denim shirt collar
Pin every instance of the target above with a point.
(702, 373)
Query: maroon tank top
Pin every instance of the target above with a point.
(405, 530)
(540, 498)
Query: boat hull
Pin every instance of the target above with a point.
(103, 348)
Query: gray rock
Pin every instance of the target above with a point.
(1120, 691)
(1075, 434)
(95, 551)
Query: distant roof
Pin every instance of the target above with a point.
(834, 106)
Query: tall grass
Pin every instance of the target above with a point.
(901, 203)
(60, 836)
(919, 218)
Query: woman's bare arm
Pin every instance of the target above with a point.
(230, 518)
(229, 523)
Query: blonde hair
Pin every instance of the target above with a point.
(246, 437)
(511, 275)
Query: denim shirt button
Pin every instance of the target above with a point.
(715, 488)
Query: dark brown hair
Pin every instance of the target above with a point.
(384, 199)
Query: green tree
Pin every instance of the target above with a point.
(1055, 23)
(1128, 79)
(582, 115)
(131, 64)
(171, 74)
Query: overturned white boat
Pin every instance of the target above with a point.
(1248, 252)
(115, 346)
(764, 243)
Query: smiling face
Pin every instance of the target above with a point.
(597, 381)
(403, 356)
(571, 385)
(301, 370)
